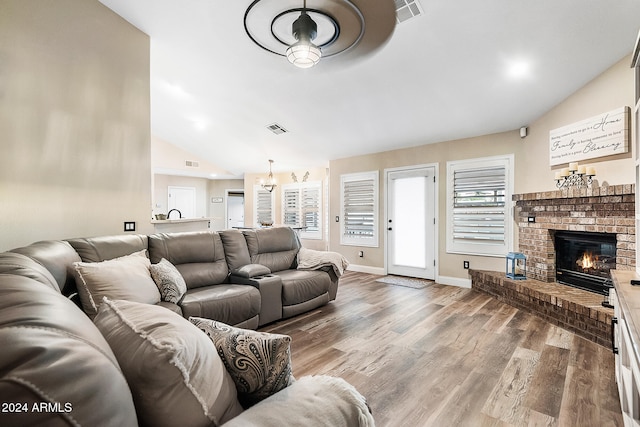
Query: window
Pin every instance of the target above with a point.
(359, 209)
(479, 217)
(302, 207)
(263, 207)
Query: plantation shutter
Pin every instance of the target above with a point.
(310, 208)
(302, 208)
(479, 201)
(359, 209)
(479, 218)
(291, 208)
(264, 207)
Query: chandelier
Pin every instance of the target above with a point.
(270, 184)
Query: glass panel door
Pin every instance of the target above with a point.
(411, 222)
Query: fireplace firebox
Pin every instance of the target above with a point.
(584, 260)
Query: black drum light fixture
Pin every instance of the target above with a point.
(303, 53)
(303, 35)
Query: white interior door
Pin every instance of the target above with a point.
(183, 199)
(235, 209)
(411, 227)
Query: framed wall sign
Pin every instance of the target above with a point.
(603, 135)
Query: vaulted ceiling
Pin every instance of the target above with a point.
(459, 69)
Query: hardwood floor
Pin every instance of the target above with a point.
(446, 356)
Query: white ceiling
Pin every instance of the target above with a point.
(443, 75)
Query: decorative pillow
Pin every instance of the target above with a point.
(125, 278)
(169, 281)
(175, 375)
(259, 362)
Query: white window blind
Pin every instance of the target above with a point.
(359, 209)
(302, 207)
(263, 206)
(479, 220)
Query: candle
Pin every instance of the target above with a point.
(573, 166)
(591, 171)
(582, 170)
(565, 172)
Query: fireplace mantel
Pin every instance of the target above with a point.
(604, 209)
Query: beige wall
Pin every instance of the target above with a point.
(218, 188)
(74, 122)
(611, 90)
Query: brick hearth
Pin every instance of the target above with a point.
(570, 308)
(606, 209)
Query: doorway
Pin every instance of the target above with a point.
(182, 199)
(235, 208)
(411, 206)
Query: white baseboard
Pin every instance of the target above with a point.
(454, 281)
(366, 269)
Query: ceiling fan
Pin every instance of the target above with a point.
(304, 31)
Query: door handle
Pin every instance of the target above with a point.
(614, 322)
(389, 228)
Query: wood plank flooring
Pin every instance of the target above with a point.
(446, 356)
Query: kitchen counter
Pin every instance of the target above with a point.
(180, 224)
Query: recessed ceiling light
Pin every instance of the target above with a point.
(518, 69)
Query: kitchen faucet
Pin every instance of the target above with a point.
(169, 214)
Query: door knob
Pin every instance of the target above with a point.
(389, 228)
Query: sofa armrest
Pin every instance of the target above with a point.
(313, 401)
(270, 287)
(251, 270)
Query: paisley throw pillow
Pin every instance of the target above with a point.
(259, 362)
(169, 281)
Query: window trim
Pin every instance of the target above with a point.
(373, 239)
(482, 248)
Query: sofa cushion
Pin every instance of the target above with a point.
(173, 369)
(314, 401)
(53, 354)
(126, 278)
(22, 265)
(169, 281)
(275, 248)
(231, 304)
(259, 362)
(198, 256)
(299, 286)
(56, 256)
(235, 249)
(102, 248)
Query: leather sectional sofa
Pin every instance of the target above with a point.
(133, 363)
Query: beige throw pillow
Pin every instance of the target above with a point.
(124, 278)
(169, 281)
(175, 375)
(259, 362)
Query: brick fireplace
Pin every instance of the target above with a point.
(606, 209)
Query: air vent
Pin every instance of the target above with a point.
(407, 9)
(276, 128)
(191, 164)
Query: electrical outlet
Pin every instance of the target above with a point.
(361, 254)
(465, 264)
